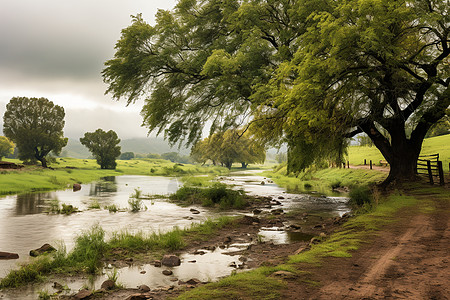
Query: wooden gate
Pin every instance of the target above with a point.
(431, 166)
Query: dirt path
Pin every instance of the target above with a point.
(407, 260)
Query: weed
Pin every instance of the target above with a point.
(94, 205)
(112, 208)
(44, 295)
(136, 204)
(68, 209)
(360, 196)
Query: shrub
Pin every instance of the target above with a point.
(360, 196)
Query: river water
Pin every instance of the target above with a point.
(25, 224)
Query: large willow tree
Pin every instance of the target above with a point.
(312, 73)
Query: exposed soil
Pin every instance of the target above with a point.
(409, 259)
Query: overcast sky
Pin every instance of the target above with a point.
(56, 49)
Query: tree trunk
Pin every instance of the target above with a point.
(43, 162)
(244, 165)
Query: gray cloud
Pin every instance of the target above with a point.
(56, 49)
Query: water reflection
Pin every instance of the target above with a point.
(103, 188)
(31, 203)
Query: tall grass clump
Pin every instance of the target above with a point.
(218, 195)
(360, 196)
(90, 247)
(135, 201)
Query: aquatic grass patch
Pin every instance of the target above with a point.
(217, 195)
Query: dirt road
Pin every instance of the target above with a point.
(408, 259)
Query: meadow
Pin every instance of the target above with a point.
(64, 172)
(433, 145)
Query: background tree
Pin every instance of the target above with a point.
(227, 148)
(104, 146)
(35, 125)
(6, 147)
(127, 155)
(312, 73)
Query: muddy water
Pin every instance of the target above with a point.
(25, 225)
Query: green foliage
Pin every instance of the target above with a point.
(112, 208)
(127, 155)
(227, 148)
(103, 146)
(306, 72)
(6, 147)
(216, 195)
(360, 196)
(35, 125)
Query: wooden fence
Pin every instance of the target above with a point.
(431, 166)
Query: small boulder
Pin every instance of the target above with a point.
(157, 263)
(171, 261)
(167, 272)
(76, 187)
(194, 211)
(83, 294)
(263, 182)
(284, 275)
(108, 285)
(8, 255)
(257, 211)
(144, 288)
(137, 297)
(278, 211)
(193, 281)
(280, 197)
(248, 220)
(46, 248)
(143, 272)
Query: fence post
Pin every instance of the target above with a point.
(430, 173)
(365, 163)
(348, 164)
(441, 173)
(371, 164)
(343, 164)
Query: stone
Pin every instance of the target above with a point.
(232, 265)
(248, 220)
(257, 211)
(275, 202)
(76, 187)
(171, 261)
(295, 227)
(108, 285)
(46, 248)
(194, 211)
(278, 211)
(227, 240)
(136, 297)
(280, 197)
(301, 249)
(8, 255)
(58, 286)
(83, 294)
(285, 275)
(193, 281)
(143, 272)
(199, 252)
(167, 272)
(173, 279)
(192, 261)
(144, 288)
(157, 263)
(262, 182)
(128, 259)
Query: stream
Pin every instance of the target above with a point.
(25, 224)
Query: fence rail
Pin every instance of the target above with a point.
(431, 166)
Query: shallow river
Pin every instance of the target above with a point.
(25, 225)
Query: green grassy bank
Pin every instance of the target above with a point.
(433, 145)
(67, 171)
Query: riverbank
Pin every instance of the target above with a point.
(65, 172)
(398, 250)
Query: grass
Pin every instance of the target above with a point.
(67, 171)
(437, 144)
(216, 195)
(90, 248)
(324, 180)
